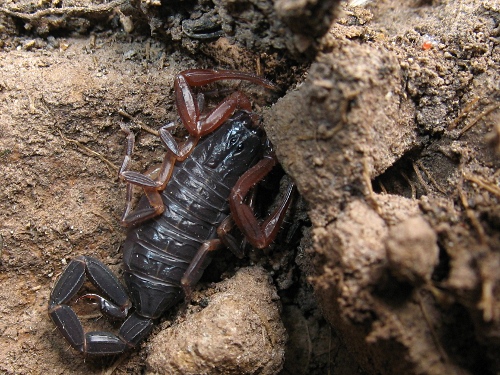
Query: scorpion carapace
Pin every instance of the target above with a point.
(186, 213)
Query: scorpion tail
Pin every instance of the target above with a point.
(132, 331)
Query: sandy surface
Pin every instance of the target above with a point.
(388, 124)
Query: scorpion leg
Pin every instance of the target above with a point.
(189, 107)
(195, 270)
(259, 235)
(224, 230)
(143, 213)
(227, 225)
(196, 267)
(116, 304)
(151, 187)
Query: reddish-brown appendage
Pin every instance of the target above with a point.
(258, 234)
(197, 127)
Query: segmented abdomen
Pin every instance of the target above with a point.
(157, 253)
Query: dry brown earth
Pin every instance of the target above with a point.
(388, 124)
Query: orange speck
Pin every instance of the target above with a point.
(427, 45)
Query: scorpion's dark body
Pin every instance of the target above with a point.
(187, 212)
(157, 253)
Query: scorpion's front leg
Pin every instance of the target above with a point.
(197, 127)
(115, 305)
(190, 111)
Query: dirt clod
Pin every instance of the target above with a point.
(386, 120)
(239, 331)
(412, 250)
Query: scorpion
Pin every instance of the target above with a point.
(201, 191)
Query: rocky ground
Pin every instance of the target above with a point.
(387, 121)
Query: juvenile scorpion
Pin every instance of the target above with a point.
(186, 212)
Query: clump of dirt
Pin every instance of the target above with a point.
(390, 135)
(222, 335)
(388, 127)
(289, 27)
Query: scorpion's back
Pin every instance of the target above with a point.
(158, 252)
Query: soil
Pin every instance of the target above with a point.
(227, 334)
(386, 120)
